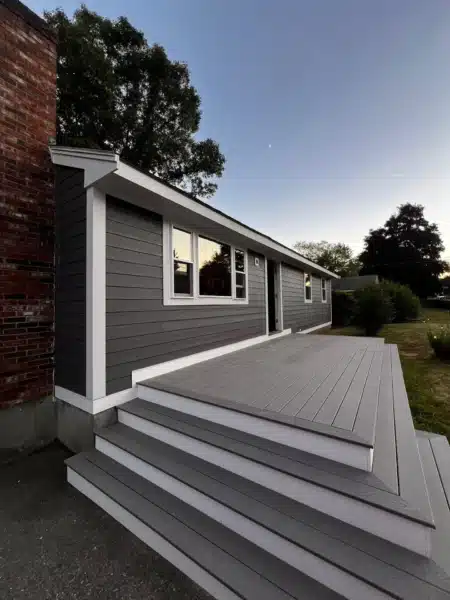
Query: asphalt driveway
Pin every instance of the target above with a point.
(57, 545)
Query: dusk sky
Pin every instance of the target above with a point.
(330, 113)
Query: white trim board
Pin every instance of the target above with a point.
(336, 449)
(389, 526)
(193, 359)
(94, 407)
(151, 538)
(95, 293)
(315, 328)
(305, 562)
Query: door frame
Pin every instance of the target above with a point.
(278, 291)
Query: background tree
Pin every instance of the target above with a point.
(406, 250)
(117, 92)
(337, 258)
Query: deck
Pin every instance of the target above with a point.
(316, 379)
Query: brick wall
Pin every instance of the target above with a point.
(27, 119)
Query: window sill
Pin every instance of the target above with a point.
(308, 301)
(205, 301)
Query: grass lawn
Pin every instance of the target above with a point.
(427, 379)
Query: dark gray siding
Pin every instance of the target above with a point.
(140, 330)
(297, 313)
(70, 307)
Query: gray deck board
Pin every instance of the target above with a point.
(319, 379)
(410, 473)
(436, 464)
(303, 466)
(299, 524)
(385, 456)
(243, 567)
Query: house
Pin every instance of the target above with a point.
(261, 462)
(351, 284)
(146, 275)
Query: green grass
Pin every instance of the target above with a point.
(427, 379)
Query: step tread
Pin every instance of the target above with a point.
(340, 478)
(241, 566)
(435, 455)
(374, 561)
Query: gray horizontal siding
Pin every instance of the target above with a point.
(140, 330)
(298, 314)
(70, 304)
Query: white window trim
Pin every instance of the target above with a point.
(170, 299)
(304, 288)
(322, 288)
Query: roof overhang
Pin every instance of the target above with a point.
(115, 177)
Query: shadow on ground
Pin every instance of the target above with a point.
(57, 545)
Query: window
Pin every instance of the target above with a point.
(324, 290)
(214, 261)
(308, 287)
(182, 262)
(202, 270)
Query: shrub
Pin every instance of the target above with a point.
(344, 308)
(439, 338)
(406, 305)
(374, 309)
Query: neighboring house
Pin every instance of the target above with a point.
(351, 284)
(445, 283)
(148, 274)
(27, 209)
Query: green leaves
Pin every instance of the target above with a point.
(337, 258)
(117, 92)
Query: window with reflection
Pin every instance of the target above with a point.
(308, 287)
(182, 262)
(214, 262)
(239, 267)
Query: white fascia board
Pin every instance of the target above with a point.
(159, 188)
(95, 163)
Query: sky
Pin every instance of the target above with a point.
(330, 113)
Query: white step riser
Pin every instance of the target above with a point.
(305, 562)
(404, 532)
(336, 449)
(151, 538)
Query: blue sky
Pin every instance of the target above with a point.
(330, 113)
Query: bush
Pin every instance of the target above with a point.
(406, 305)
(344, 308)
(374, 309)
(439, 339)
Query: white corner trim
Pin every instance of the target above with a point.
(96, 406)
(311, 329)
(335, 449)
(149, 536)
(95, 293)
(95, 163)
(266, 290)
(280, 296)
(74, 399)
(193, 359)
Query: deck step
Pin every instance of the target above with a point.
(222, 562)
(352, 562)
(350, 495)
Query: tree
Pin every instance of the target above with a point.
(116, 92)
(406, 250)
(337, 258)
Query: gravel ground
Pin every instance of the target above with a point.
(55, 544)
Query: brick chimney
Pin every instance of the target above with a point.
(27, 209)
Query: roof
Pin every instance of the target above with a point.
(99, 164)
(350, 284)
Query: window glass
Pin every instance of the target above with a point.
(308, 291)
(239, 261)
(182, 278)
(324, 290)
(240, 285)
(214, 268)
(182, 245)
